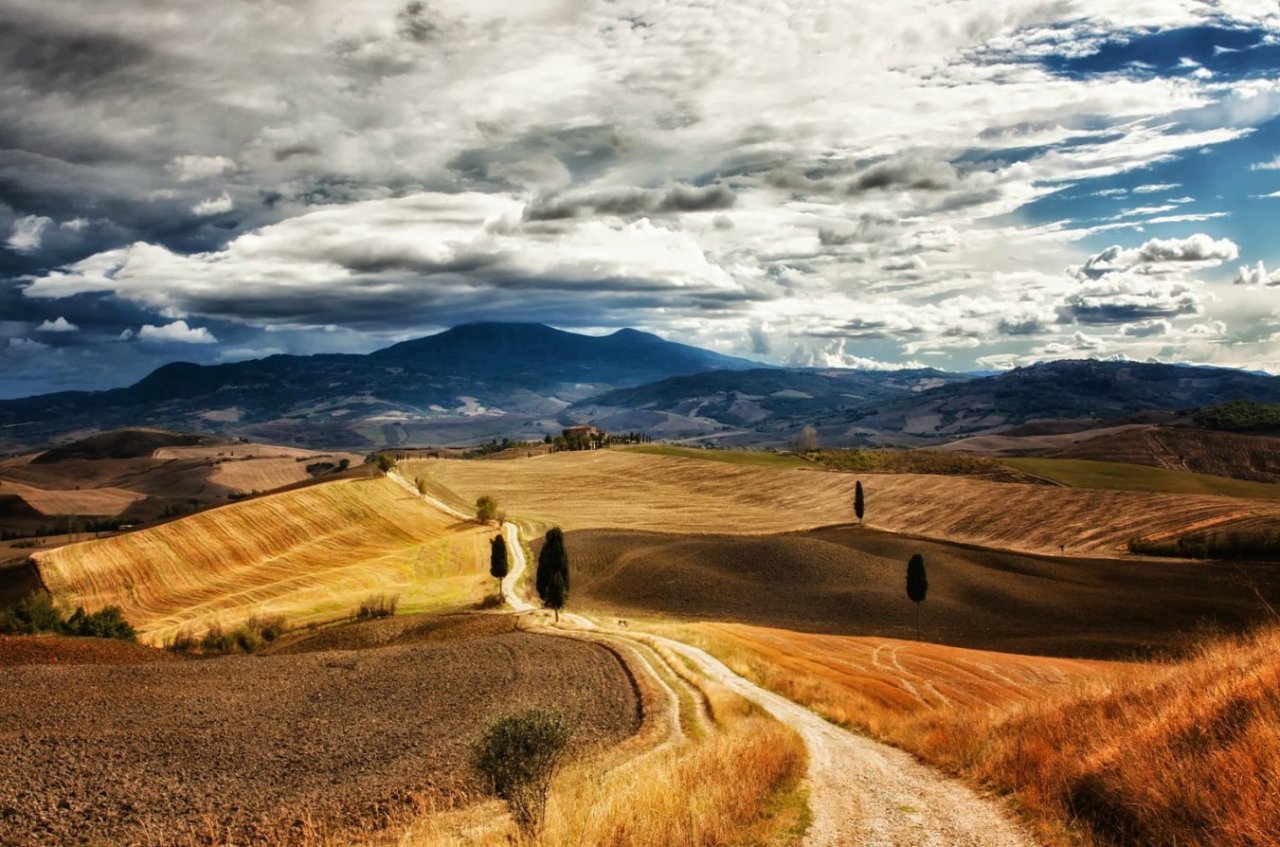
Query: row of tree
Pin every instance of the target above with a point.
(552, 576)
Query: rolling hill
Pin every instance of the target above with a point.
(468, 383)
(310, 554)
(632, 490)
(768, 403)
(1084, 391)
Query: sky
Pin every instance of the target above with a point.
(970, 185)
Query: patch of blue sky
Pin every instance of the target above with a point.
(1237, 53)
(1222, 182)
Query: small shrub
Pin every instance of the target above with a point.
(107, 622)
(385, 462)
(246, 639)
(182, 642)
(486, 508)
(377, 606)
(518, 756)
(34, 613)
(268, 628)
(421, 484)
(215, 639)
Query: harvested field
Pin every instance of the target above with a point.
(69, 501)
(901, 677)
(851, 581)
(1224, 454)
(625, 489)
(65, 650)
(310, 554)
(250, 749)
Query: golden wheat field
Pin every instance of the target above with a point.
(70, 501)
(311, 555)
(859, 681)
(626, 490)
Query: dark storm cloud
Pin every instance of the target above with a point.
(906, 172)
(46, 57)
(632, 202)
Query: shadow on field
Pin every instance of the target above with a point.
(851, 581)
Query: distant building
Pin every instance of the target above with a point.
(575, 433)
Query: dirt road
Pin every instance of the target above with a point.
(868, 794)
(861, 793)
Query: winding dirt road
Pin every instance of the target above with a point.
(861, 793)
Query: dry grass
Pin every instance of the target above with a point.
(311, 555)
(1182, 753)
(89, 501)
(631, 490)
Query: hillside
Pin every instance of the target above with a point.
(770, 403)
(310, 554)
(849, 581)
(1069, 390)
(134, 476)
(630, 490)
(469, 383)
(1227, 454)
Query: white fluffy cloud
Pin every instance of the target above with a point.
(1158, 255)
(177, 332)
(214, 205)
(27, 233)
(1257, 275)
(61, 324)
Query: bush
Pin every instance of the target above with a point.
(421, 484)
(108, 622)
(518, 756)
(486, 508)
(248, 637)
(37, 613)
(385, 462)
(377, 606)
(34, 613)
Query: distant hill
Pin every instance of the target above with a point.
(1071, 390)
(468, 383)
(770, 403)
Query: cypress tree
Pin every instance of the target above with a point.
(859, 502)
(498, 558)
(557, 592)
(917, 585)
(552, 559)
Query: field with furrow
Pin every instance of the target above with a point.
(311, 555)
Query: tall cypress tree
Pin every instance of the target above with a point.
(498, 559)
(859, 502)
(917, 585)
(552, 559)
(557, 592)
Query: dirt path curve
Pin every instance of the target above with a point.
(865, 793)
(518, 561)
(861, 793)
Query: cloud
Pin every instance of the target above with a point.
(1118, 298)
(1146, 329)
(1269, 165)
(176, 333)
(1154, 188)
(192, 168)
(27, 232)
(59, 325)
(631, 202)
(27, 344)
(1257, 275)
(214, 206)
(1197, 249)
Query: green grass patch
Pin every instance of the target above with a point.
(758, 458)
(1119, 476)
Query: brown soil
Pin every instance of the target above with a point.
(248, 748)
(1251, 457)
(851, 581)
(62, 650)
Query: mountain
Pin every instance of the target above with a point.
(750, 406)
(468, 383)
(1085, 391)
